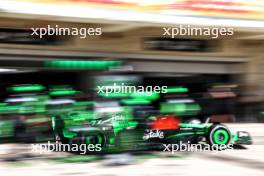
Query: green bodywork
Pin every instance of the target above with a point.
(7, 128)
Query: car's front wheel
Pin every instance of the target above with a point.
(219, 135)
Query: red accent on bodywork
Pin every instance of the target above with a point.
(168, 122)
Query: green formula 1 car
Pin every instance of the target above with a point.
(115, 129)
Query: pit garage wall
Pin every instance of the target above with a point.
(186, 67)
(232, 55)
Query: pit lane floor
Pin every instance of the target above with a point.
(243, 162)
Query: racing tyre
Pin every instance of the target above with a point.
(219, 135)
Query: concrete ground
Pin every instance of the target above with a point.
(238, 162)
(242, 162)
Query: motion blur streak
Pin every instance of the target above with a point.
(121, 101)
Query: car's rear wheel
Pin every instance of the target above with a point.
(95, 139)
